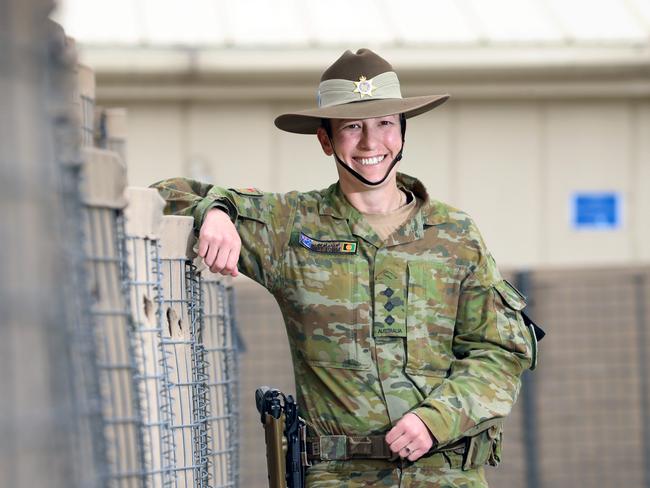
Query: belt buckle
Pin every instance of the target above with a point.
(360, 447)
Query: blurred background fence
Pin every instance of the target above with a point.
(110, 356)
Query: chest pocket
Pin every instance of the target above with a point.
(328, 313)
(432, 302)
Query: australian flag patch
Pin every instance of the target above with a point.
(329, 247)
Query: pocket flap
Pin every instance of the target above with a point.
(250, 205)
(510, 295)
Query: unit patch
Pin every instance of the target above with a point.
(330, 247)
(251, 192)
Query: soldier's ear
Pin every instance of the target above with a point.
(325, 142)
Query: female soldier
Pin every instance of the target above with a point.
(407, 344)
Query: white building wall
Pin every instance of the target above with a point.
(511, 164)
(587, 148)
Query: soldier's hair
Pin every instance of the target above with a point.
(327, 125)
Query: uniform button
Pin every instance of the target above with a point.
(388, 292)
(389, 306)
(389, 320)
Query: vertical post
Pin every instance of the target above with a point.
(199, 379)
(528, 398)
(236, 348)
(641, 323)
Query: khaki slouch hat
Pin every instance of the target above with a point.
(358, 85)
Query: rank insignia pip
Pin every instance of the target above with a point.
(329, 247)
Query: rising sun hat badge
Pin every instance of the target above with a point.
(364, 87)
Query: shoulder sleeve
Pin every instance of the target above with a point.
(181, 195)
(492, 347)
(263, 221)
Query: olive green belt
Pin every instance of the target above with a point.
(343, 448)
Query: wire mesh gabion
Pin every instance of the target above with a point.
(221, 357)
(111, 130)
(86, 104)
(103, 181)
(116, 393)
(47, 435)
(90, 453)
(152, 360)
(181, 340)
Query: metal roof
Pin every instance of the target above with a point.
(303, 24)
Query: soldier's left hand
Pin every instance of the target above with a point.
(410, 437)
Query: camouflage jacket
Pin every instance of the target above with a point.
(420, 322)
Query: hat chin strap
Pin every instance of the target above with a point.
(363, 180)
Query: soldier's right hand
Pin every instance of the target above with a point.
(219, 243)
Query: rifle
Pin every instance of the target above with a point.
(286, 435)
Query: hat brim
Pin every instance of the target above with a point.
(308, 121)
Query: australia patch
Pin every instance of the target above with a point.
(330, 247)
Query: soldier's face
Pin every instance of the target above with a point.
(368, 146)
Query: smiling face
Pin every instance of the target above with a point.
(368, 146)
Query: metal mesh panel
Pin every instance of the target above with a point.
(111, 130)
(235, 398)
(582, 418)
(87, 304)
(90, 445)
(105, 267)
(590, 391)
(86, 107)
(91, 464)
(220, 352)
(145, 285)
(200, 395)
(43, 428)
(181, 341)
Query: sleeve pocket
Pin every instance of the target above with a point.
(510, 295)
(514, 332)
(250, 206)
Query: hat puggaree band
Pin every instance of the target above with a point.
(339, 92)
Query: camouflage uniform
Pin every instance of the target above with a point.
(421, 322)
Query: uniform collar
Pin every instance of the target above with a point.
(431, 213)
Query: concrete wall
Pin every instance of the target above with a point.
(513, 164)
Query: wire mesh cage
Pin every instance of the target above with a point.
(119, 385)
(143, 217)
(88, 419)
(46, 430)
(221, 356)
(86, 104)
(103, 180)
(181, 340)
(111, 129)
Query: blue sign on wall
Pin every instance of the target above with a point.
(596, 210)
